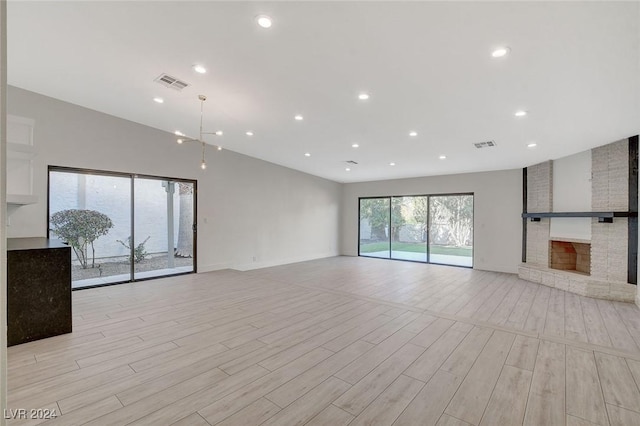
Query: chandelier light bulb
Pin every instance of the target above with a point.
(179, 141)
(203, 165)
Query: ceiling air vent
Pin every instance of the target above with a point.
(171, 82)
(351, 162)
(487, 144)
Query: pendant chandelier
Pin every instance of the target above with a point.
(182, 139)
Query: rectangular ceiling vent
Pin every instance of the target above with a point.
(487, 144)
(171, 82)
(351, 162)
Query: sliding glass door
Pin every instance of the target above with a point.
(122, 227)
(451, 229)
(427, 228)
(409, 228)
(374, 227)
(163, 243)
(92, 213)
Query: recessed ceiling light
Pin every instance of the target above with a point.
(347, 169)
(264, 21)
(219, 133)
(392, 164)
(299, 117)
(520, 113)
(306, 154)
(500, 52)
(355, 145)
(532, 145)
(363, 96)
(249, 133)
(199, 69)
(219, 148)
(443, 157)
(158, 100)
(178, 133)
(413, 133)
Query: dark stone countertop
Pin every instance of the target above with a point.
(34, 243)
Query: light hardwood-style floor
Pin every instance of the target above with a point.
(336, 341)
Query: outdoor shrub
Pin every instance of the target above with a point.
(79, 229)
(139, 253)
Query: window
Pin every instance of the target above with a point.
(122, 227)
(426, 228)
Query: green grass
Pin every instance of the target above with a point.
(416, 248)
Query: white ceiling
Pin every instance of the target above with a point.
(427, 66)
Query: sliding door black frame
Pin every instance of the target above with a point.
(132, 177)
(428, 196)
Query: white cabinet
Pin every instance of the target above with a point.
(20, 154)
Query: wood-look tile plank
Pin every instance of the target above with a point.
(471, 399)
(447, 420)
(429, 404)
(308, 406)
(356, 333)
(331, 416)
(522, 308)
(300, 385)
(509, 398)
(362, 366)
(523, 353)
(594, 325)
(622, 417)
(554, 324)
(429, 362)
(88, 413)
(380, 334)
(577, 421)
(233, 402)
(192, 420)
(616, 328)
(574, 326)
(432, 332)
(122, 345)
(460, 361)
(585, 400)
(366, 390)
(387, 407)
(500, 315)
(487, 308)
(147, 410)
(538, 313)
(618, 386)
(253, 414)
(546, 404)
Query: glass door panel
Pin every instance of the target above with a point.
(451, 229)
(92, 213)
(374, 227)
(409, 228)
(164, 237)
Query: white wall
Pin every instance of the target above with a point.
(3, 186)
(247, 208)
(572, 193)
(497, 210)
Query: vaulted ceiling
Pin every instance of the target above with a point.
(427, 67)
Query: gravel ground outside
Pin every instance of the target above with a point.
(120, 265)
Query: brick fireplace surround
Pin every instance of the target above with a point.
(607, 274)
